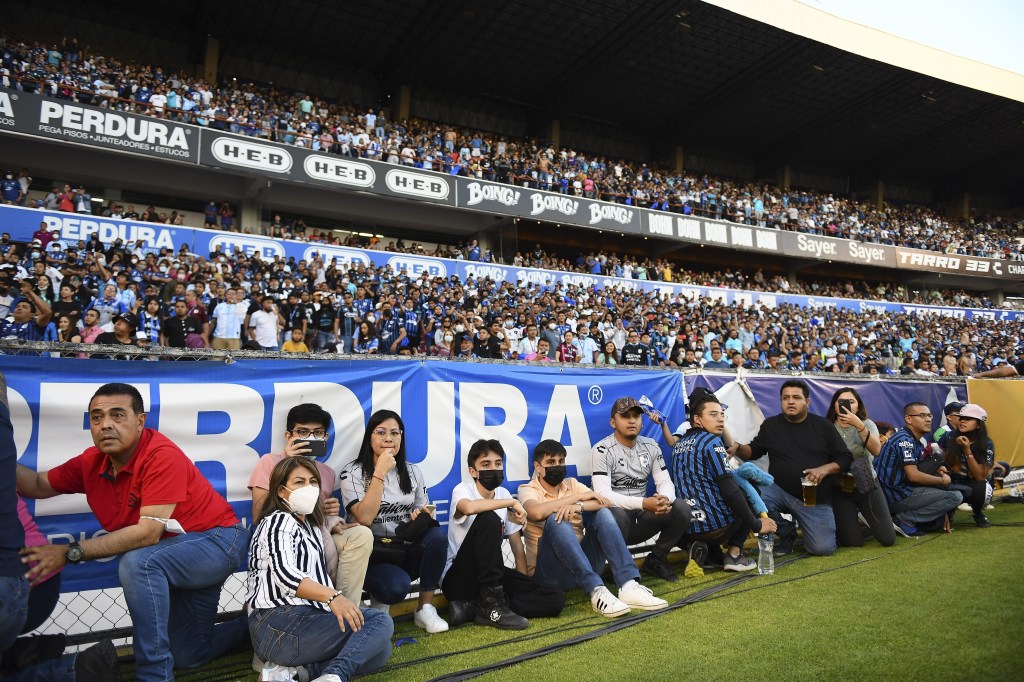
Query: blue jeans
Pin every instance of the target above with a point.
(925, 503)
(818, 522)
(172, 589)
(324, 338)
(311, 637)
(390, 583)
(13, 612)
(567, 563)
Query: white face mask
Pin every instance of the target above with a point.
(460, 328)
(448, 338)
(303, 500)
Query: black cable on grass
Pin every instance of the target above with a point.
(577, 624)
(706, 594)
(618, 624)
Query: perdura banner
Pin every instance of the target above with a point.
(46, 117)
(22, 222)
(224, 417)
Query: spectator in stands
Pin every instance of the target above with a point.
(914, 497)
(623, 464)
(264, 325)
(366, 341)
(227, 321)
(30, 316)
(347, 546)
(970, 456)
(800, 445)
(295, 344)
(701, 475)
(381, 489)
(298, 619)
(476, 581)
(635, 353)
(178, 545)
(181, 330)
(608, 356)
(560, 553)
(849, 414)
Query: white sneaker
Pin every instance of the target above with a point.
(605, 603)
(964, 507)
(426, 617)
(380, 606)
(637, 596)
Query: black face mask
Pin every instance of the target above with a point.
(491, 478)
(555, 474)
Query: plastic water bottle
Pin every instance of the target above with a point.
(765, 555)
(272, 672)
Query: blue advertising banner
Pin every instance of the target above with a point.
(224, 417)
(883, 400)
(22, 222)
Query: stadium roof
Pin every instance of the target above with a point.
(667, 71)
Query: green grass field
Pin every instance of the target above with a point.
(936, 608)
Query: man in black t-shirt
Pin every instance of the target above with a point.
(175, 329)
(634, 352)
(800, 445)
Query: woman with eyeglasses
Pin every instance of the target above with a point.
(380, 489)
(296, 618)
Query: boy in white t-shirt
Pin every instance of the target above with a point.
(475, 580)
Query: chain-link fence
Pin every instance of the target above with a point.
(91, 615)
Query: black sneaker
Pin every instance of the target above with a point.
(981, 521)
(659, 567)
(98, 662)
(493, 610)
(461, 611)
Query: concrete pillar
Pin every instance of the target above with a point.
(680, 159)
(211, 60)
(786, 172)
(404, 102)
(792, 279)
(556, 134)
(959, 207)
(249, 216)
(998, 298)
(878, 195)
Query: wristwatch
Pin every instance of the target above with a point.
(74, 554)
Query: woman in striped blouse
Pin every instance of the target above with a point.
(295, 618)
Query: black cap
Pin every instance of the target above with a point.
(952, 408)
(130, 318)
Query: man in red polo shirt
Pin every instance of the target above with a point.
(179, 538)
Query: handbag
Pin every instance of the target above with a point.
(389, 551)
(863, 475)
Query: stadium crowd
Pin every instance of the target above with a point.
(69, 72)
(96, 293)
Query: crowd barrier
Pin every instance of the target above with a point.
(22, 222)
(228, 409)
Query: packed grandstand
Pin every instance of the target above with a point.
(162, 211)
(349, 310)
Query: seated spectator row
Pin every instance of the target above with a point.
(359, 131)
(322, 538)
